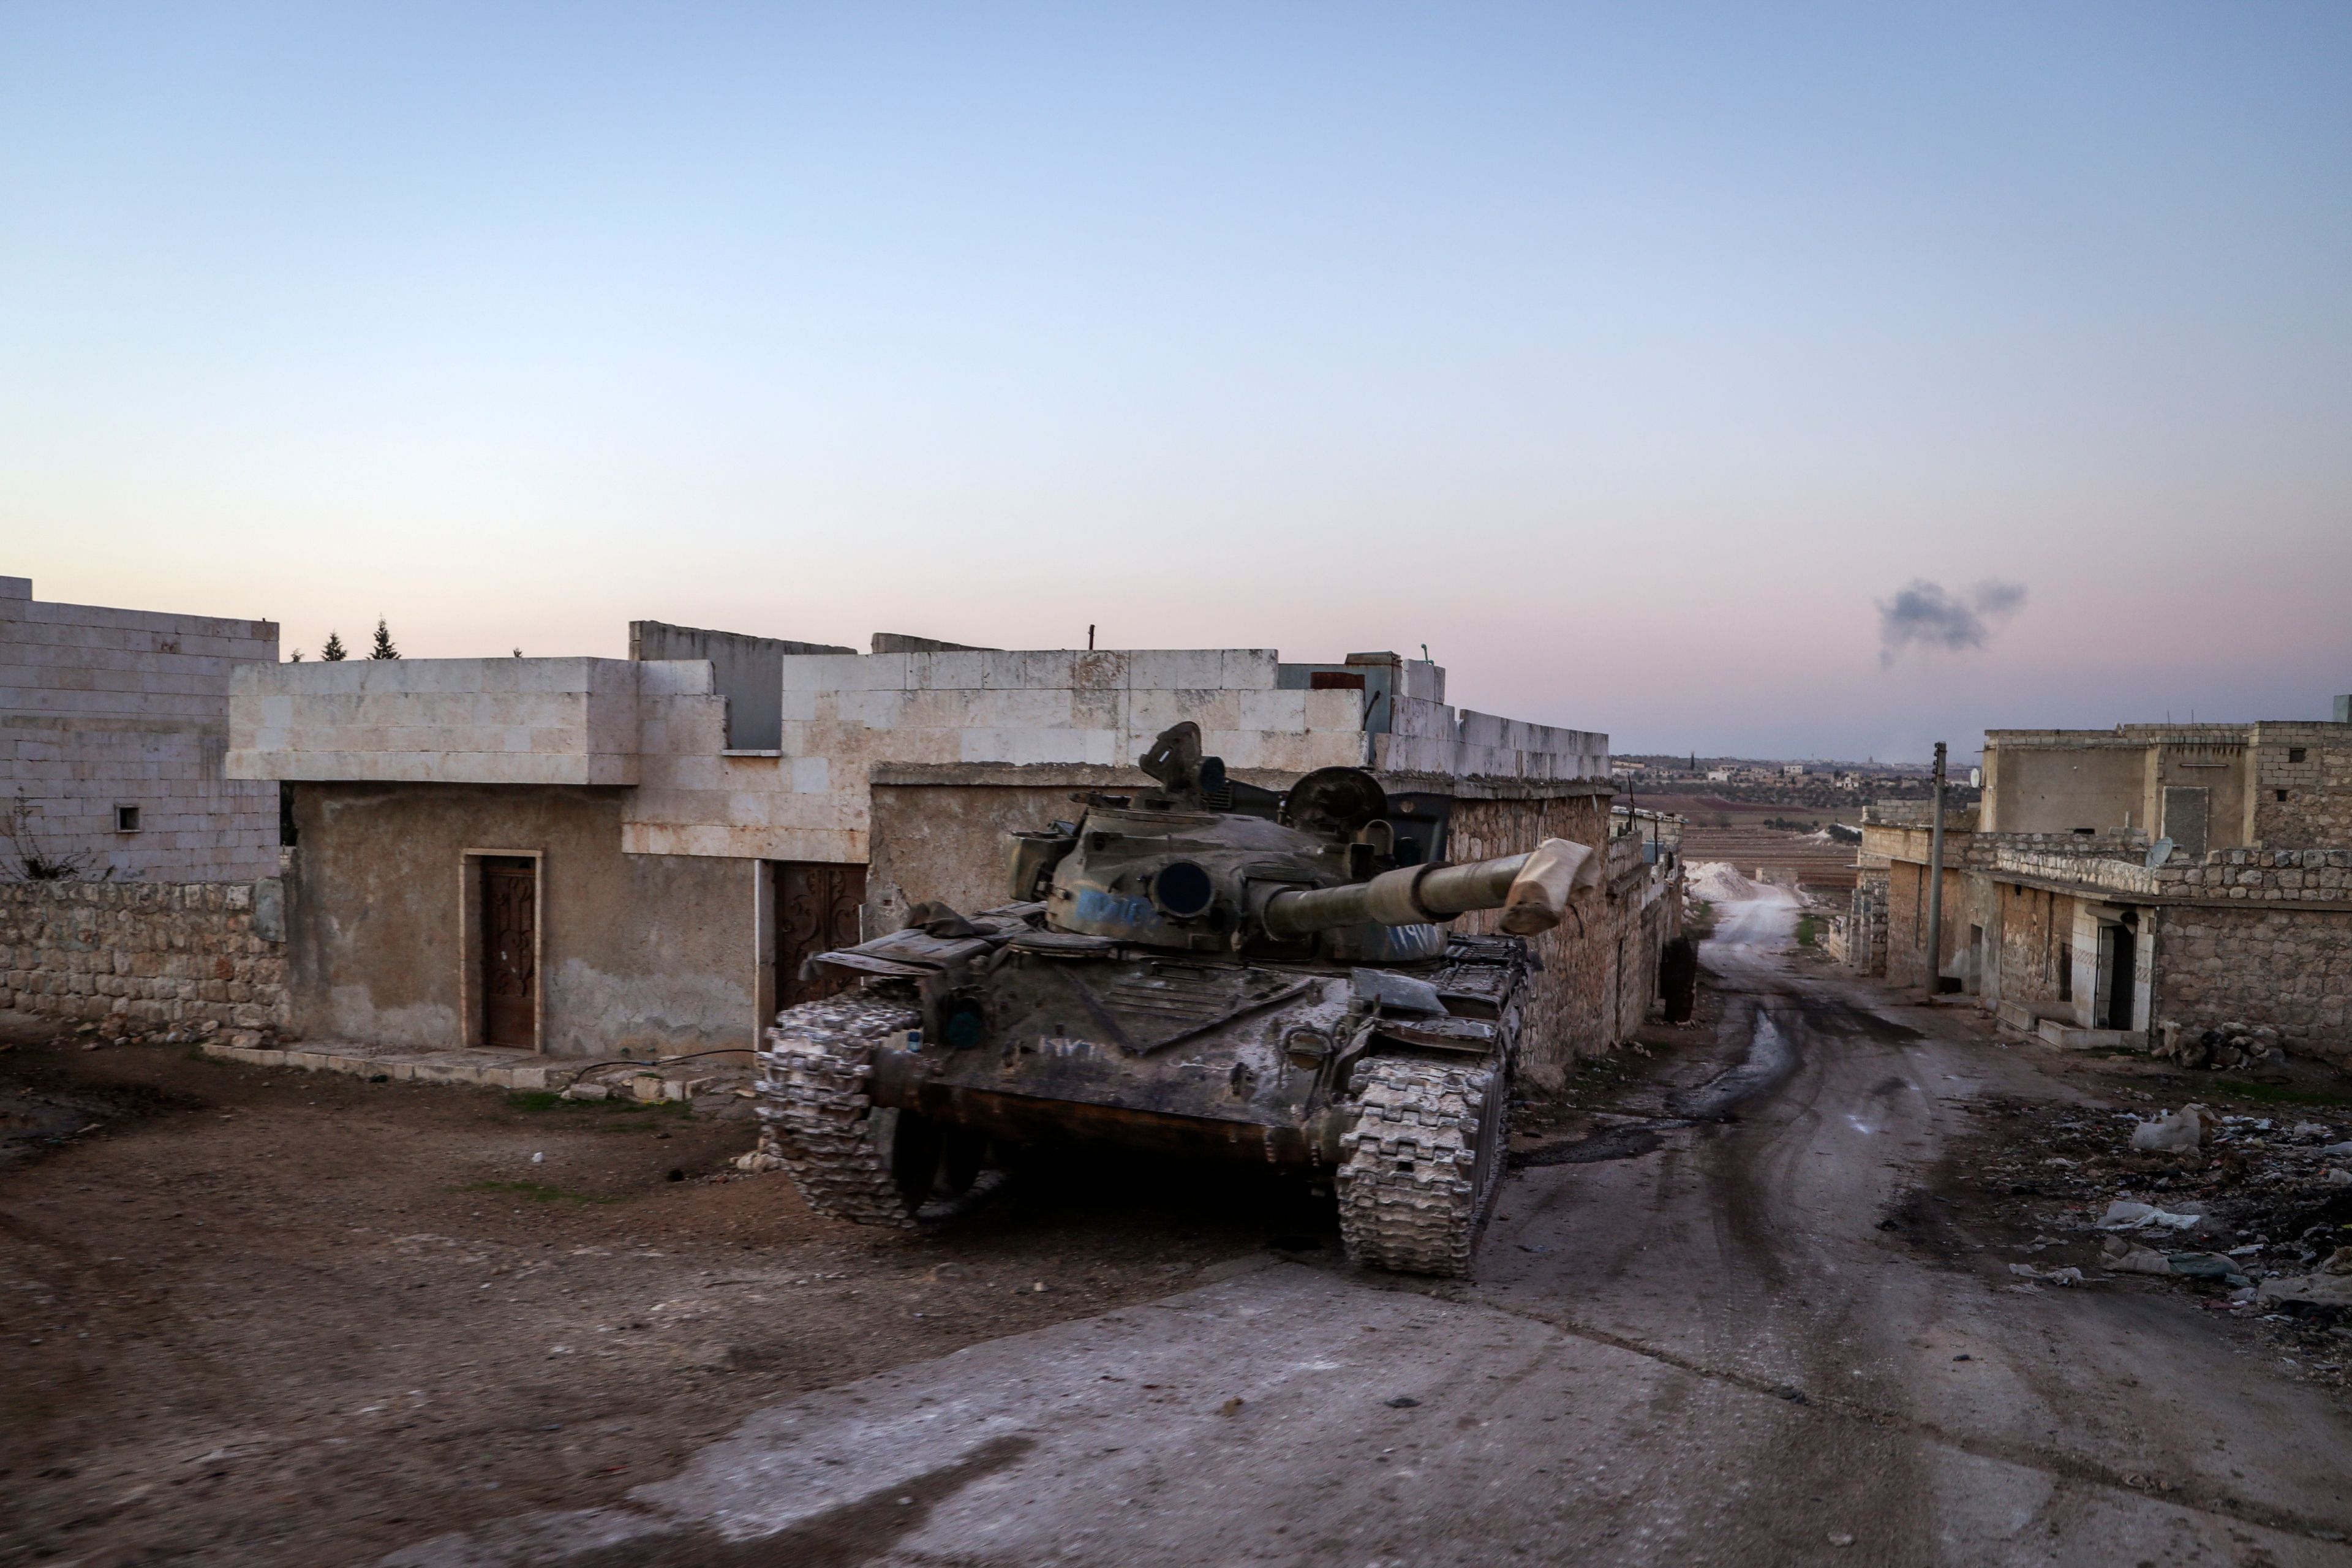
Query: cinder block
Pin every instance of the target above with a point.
(1279, 710)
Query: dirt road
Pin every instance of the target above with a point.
(1707, 1352)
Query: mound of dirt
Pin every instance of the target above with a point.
(1719, 881)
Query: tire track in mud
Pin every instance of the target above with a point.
(1771, 1060)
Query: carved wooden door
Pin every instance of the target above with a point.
(816, 911)
(510, 953)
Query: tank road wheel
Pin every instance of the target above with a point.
(817, 1115)
(1422, 1162)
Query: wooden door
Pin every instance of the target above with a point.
(510, 953)
(816, 911)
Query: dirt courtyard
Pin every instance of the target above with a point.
(272, 1317)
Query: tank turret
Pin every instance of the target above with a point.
(1183, 868)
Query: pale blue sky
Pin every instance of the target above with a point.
(1627, 356)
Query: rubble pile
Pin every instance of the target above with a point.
(2253, 1214)
(2227, 1046)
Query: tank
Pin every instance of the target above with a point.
(1207, 969)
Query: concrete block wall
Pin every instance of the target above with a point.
(104, 708)
(439, 720)
(662, 727)
(843, 714)
(146, 957)
(1428, 737)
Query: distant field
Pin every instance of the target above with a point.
(1735, 831)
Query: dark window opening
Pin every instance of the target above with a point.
(2294, 753)
(126, 819)
(2281, 794)
(287, 835)
(2066, 973)
(1334, 680)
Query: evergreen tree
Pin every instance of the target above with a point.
(383, 648)
(333, 650)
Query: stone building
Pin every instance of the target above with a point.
(2128, 885)
(585, 857)
(113, 732)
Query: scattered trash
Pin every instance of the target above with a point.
(2126, 1214)
(539, 1159)
(1231, 1406)
(2306, 1290)
(2068, 1275)
(1403, 1402)
(1964, 1356)
(1841, 1538)
(2173, 1135)
(2122, 1257)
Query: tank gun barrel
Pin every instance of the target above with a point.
(1531, 889)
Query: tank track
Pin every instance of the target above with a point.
(816, 1118)
(1410, 1182)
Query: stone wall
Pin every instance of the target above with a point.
(146, 957)
(105, 708)
(2240, 876)
(2036, 947)
(1600, 976)
(2311, 765)
(1966, 903)
(2289, 968)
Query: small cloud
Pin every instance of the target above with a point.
(1925, 612)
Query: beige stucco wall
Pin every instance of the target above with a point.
(647, 953)
(2056, 789)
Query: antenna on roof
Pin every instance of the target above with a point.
(1425, 654)
(1090, 636)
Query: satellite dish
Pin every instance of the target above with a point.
(2159, 853)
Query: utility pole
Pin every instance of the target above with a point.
(1935, 885)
